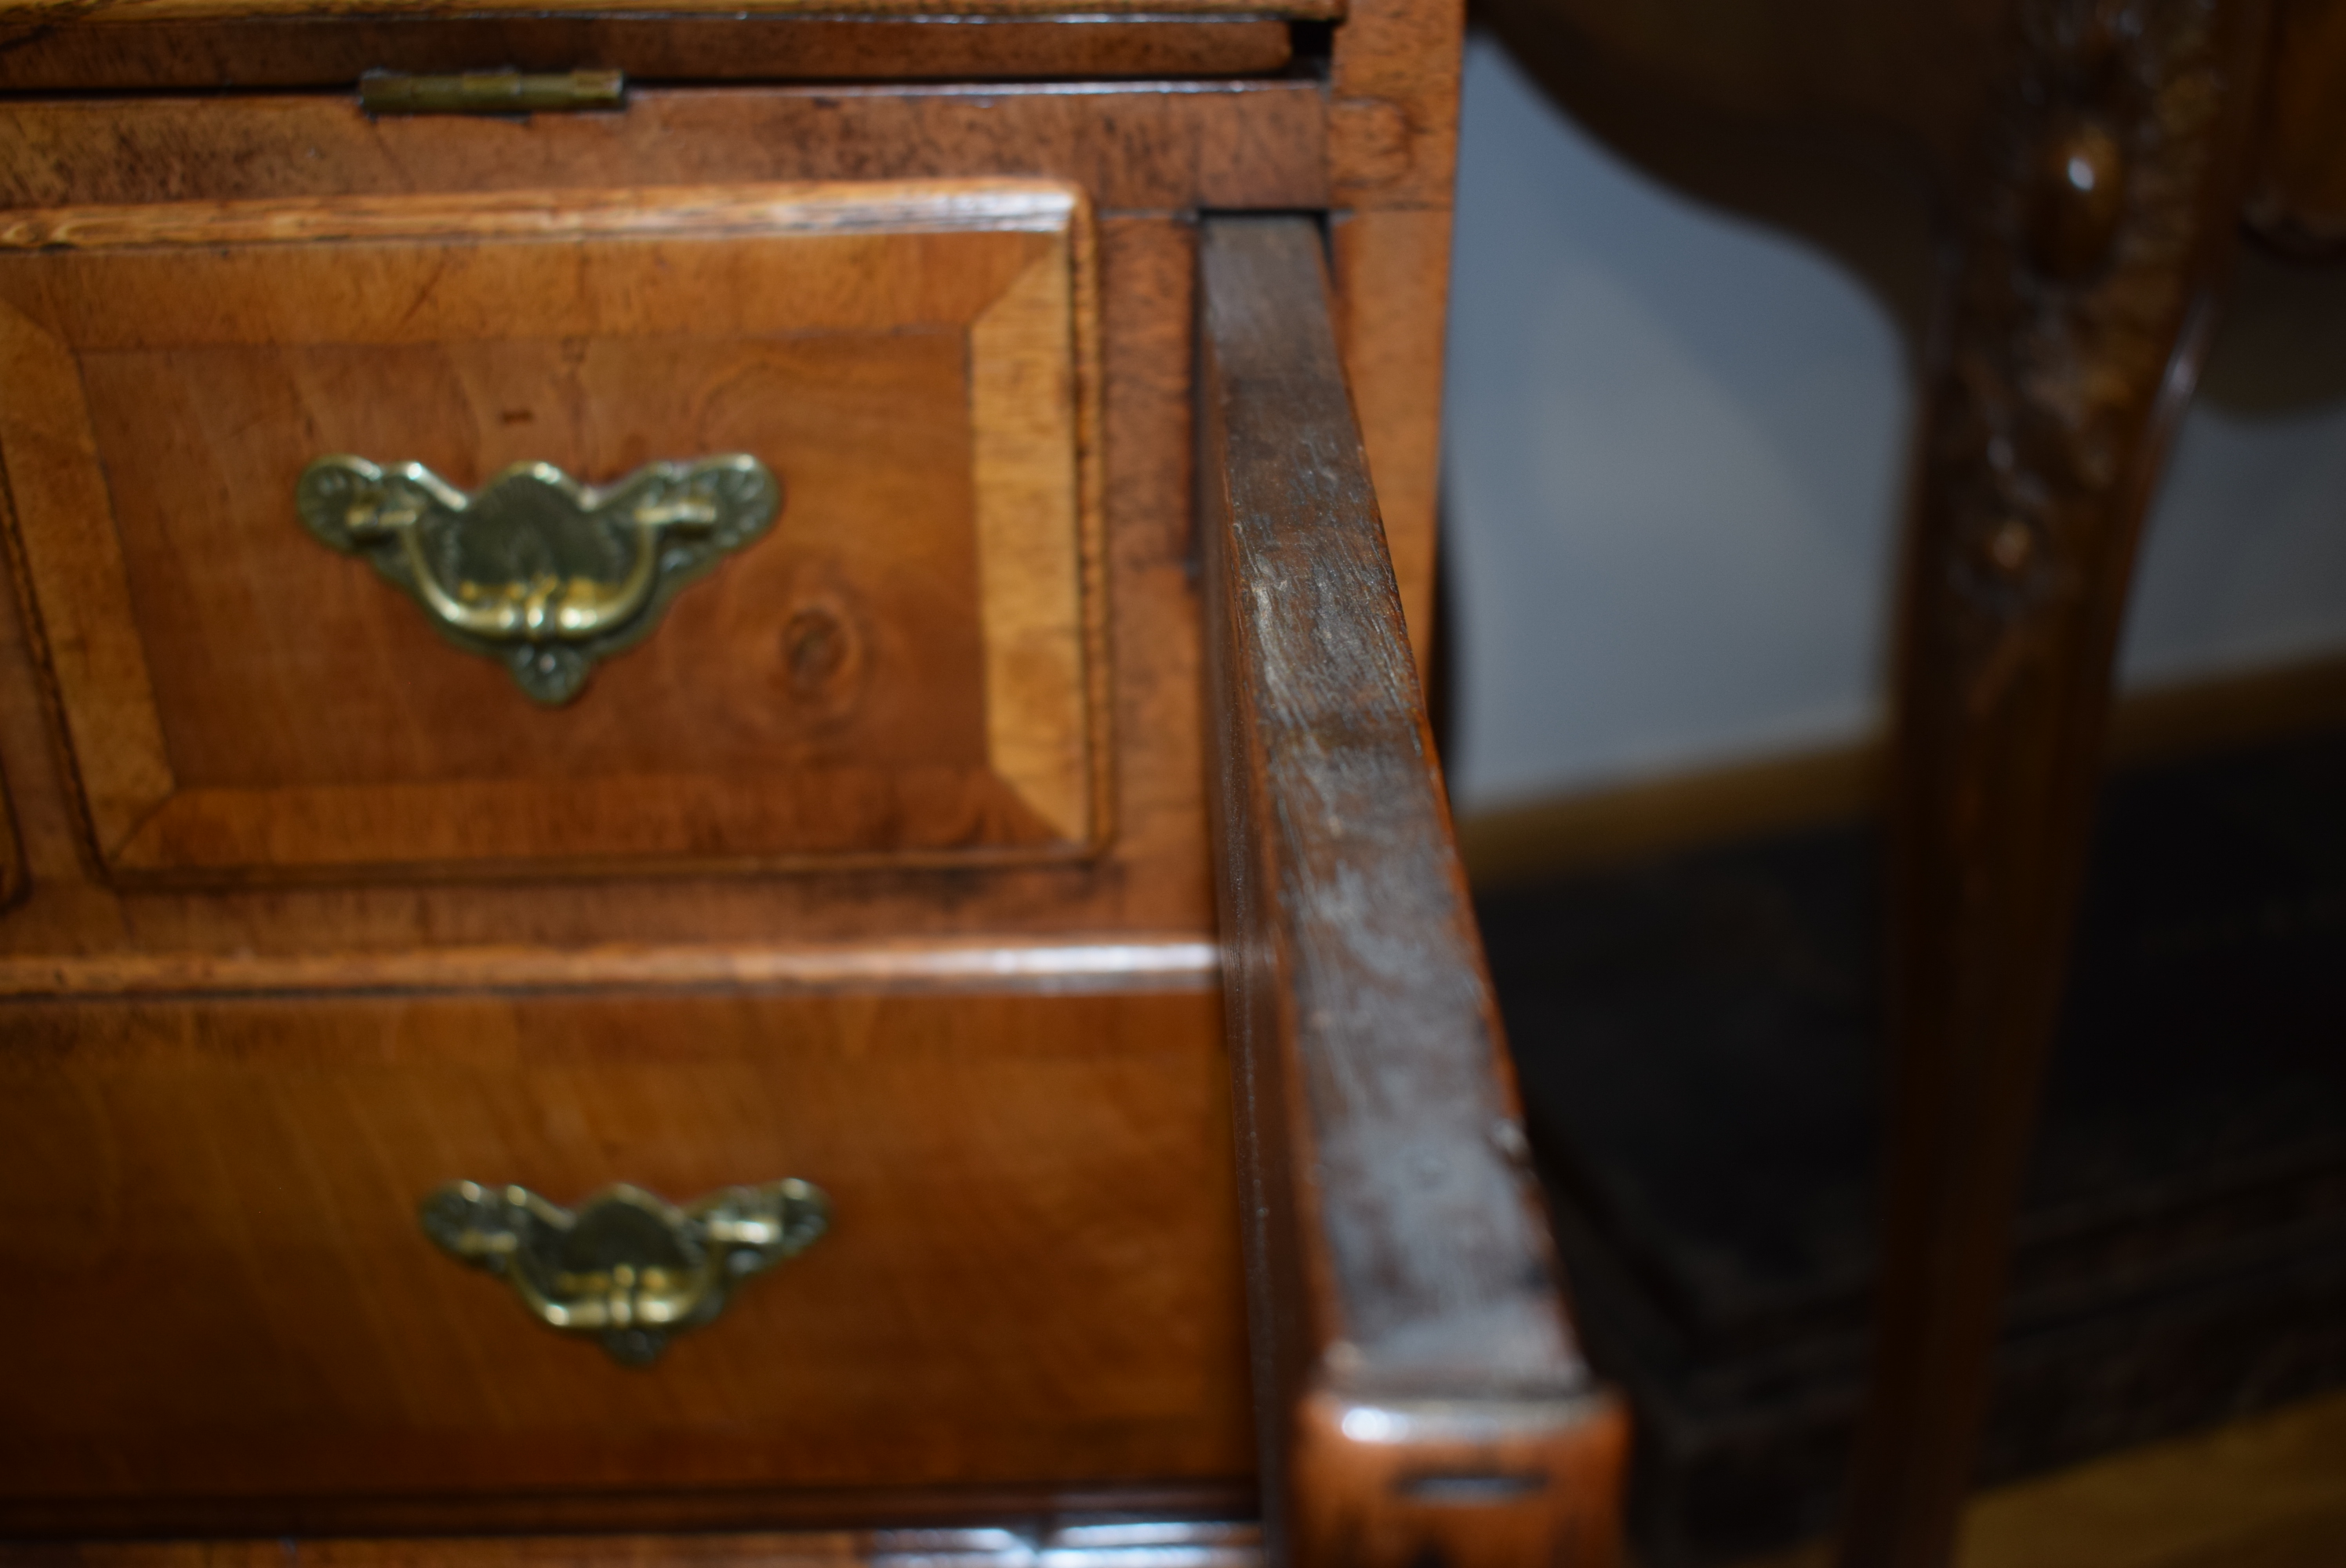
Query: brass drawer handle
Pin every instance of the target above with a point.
(543, 574)
(627, 1267)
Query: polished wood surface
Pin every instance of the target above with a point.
(1032, 1271)
(1009, 1076)
(655, 973)
(1244, 143)
(1380, 153)
(1147, 887)
(933, 963)
(899, 669)
(424, 1521)
(48, 56)
(1393, 151)
(1420, 1390)
(1130, 148)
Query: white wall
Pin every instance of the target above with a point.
(1675, 457)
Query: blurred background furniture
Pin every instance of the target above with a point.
(1697, 1036)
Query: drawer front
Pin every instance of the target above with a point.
(354, 534)
(220, 1288)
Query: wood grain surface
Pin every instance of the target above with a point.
(1393, 148)
(1390, 272)
(1148, 886)
(1130, 148)
(903, 667)
(647, 1521)
(55, 54)
(947, 963)
(1008, 1076)
(1418, 1393)
(1032, 1271)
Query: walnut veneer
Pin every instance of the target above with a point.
(883, 861)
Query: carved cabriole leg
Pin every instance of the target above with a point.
(2098, 220)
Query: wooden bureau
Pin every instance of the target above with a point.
(655, 641)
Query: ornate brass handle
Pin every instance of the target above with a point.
(535, 570)
(627, 1266)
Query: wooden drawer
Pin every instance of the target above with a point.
(904, 665)
(230, 1312)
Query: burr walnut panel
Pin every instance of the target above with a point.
(904, 669)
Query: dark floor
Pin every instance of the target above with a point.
(1698, 1040)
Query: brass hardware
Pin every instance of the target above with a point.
(535, 570)
(490, 92)
(627, 1266)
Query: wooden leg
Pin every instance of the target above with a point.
(2093, 238)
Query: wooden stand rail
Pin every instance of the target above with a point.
(1421, 1397)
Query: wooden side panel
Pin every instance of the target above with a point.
(1392, 274)
(1392, 147)
(1419, 1391)
(209, 1222)
(2100, 215)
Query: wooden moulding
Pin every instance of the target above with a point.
(1137, 1540)
(1155, 148)
(926, 367)
(37, 13)
(11, 852)
(333, 52)
(1168, 962)
(1419, 1391)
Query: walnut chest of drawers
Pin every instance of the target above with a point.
(608, 650)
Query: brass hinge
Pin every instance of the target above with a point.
(490, 92)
